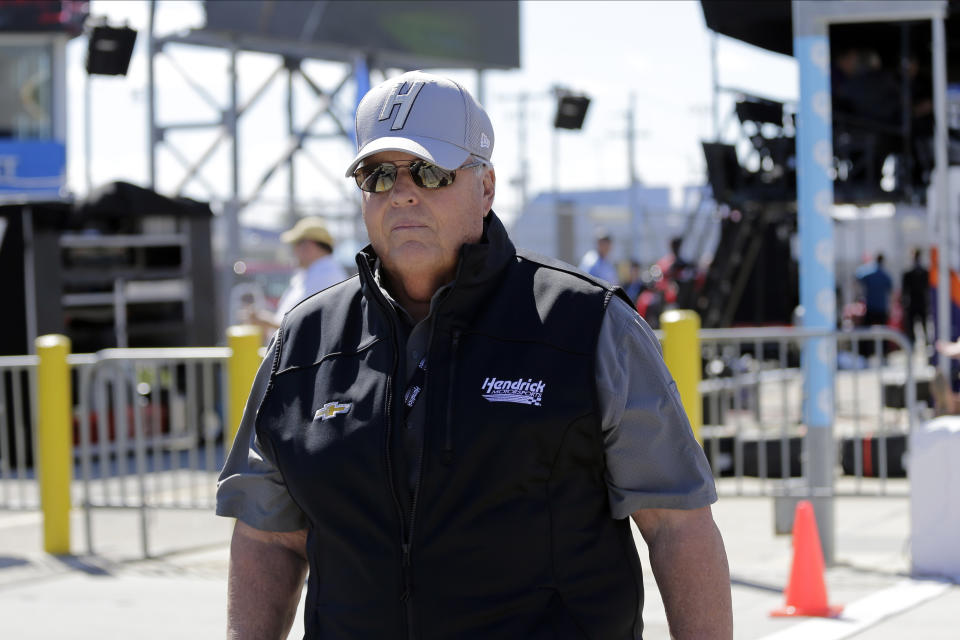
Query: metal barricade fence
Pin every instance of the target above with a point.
(149, 424)
(148, 430)
(18, 489)
(753, 427)
(151, 431)
(18, 427)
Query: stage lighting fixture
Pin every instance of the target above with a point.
(723, 171)
(571, 111)
(760, 110)
(109, 49)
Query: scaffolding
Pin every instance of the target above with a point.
(327, 121)
(187, 170)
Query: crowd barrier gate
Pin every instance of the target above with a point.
(149, 424)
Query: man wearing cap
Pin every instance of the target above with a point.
(595, 260)
(451, 444)
(312, 247)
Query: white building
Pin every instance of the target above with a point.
(562, 225)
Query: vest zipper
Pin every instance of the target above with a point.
(406, 527)
(387, 437)
(447, 455)
(416, 488)
(408, 540)
(388, 432)
(406, 595)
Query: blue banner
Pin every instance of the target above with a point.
(33, 168)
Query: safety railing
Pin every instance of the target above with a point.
(752, 391)
(18, 488)
(151, 429)
(147, 428)
(18, 427)
(150, 425)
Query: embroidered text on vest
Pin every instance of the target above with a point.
(519, 391)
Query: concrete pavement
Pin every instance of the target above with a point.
(180, 592)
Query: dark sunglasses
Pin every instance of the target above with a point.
(377, 178)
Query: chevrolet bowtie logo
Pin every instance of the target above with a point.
(330, 410)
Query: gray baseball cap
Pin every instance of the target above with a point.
(428, 116)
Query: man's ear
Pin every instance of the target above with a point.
(488, 185)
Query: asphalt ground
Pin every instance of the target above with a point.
(180, 591)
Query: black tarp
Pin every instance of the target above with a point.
(763, 23)
(768, 24)
(125, 199)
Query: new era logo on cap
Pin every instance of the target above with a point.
(428, 116)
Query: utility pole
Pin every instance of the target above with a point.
(87, 133)
(637, 217)
(715, 73)
(151, 95)
(632, 183)
(523, 178)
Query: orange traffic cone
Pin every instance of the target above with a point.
(806, 593)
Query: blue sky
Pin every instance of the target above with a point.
(658, 52)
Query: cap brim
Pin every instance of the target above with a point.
(290, 237)
(443, 154)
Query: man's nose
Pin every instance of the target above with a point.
(404, 191)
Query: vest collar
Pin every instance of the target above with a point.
(478, 270)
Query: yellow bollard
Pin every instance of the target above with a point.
(54, 440)
(244, 340)
(681, 352)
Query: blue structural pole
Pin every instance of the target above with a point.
(811, 46)
(815, 224)
(361, 77)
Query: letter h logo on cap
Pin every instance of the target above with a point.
(403, 100)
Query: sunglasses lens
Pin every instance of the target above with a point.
(381, 177)
(378, 178)
(430, 176)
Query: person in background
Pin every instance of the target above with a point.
(677, 276)
(453, 443)
(312, 247)
(877, 285)
(595, 261)
(914, 296)
(672, 265)
(634, 285)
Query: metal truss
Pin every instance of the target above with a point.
(176, 48)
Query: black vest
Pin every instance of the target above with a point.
(510, 534)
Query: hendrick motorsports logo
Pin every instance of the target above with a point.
(518, 391)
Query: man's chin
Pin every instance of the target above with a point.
(414, 256)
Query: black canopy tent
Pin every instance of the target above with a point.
(763, 23)
(768, 24)
(882, 92)
(129, 199)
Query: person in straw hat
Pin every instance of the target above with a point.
(317, 269)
